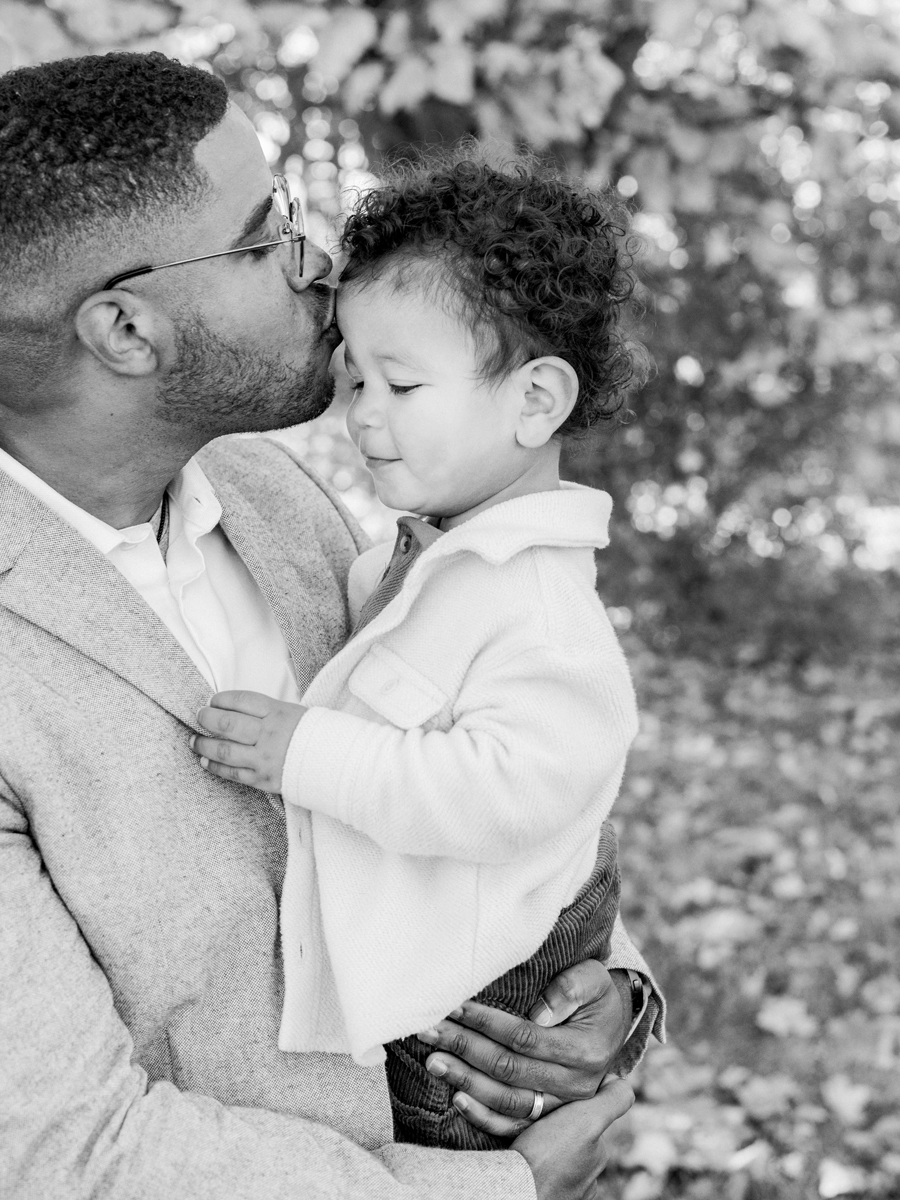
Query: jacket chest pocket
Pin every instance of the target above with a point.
(395, 690)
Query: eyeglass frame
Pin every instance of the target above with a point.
(292, 227)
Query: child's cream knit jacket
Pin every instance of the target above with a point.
(459, 755)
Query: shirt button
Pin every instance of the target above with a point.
(405, 543)
(388, 686)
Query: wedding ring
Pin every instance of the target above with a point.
(538, 1107)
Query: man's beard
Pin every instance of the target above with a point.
(224, 388)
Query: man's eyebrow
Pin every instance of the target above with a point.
(255, 222)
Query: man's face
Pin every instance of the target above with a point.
(253, 343)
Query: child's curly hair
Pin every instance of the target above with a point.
(537, 265)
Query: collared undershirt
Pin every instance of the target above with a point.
(413, 536)
(202, 592)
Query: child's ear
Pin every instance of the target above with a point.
(550, 388)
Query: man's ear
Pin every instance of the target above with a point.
(123, 331)
(550, 391)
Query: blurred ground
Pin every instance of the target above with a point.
(760, 844)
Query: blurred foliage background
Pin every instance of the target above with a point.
(754, 566)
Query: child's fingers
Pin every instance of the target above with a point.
(254, 704)
(227, 754)
(236, 774)
(234, 725)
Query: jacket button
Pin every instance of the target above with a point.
(405, 543)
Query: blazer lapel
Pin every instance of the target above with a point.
(54, 578)
(279, 578)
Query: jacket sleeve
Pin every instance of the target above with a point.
(624, 956)
(79, 1118)
(536, 736)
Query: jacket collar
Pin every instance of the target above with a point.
(573, 517)
(54, 578)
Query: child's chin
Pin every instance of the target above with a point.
(392, 498)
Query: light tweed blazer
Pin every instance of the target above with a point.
(139, 960)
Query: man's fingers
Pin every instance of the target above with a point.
(613, 1100)
(565, 1150)
(483, 1118)
(512, 1103)
(546, 1070)
(492, 1029)
(237, 727)
(569, 991)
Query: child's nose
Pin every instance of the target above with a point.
(365, 412)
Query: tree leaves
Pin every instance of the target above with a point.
(758, 144)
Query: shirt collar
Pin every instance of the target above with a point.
(192, 495)
(190, 491)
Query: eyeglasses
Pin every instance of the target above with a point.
(292, 234)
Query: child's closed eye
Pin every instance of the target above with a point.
(396, 389)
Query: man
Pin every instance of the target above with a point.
(141, 971)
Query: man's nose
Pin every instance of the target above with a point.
(316, 265)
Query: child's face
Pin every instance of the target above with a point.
(437, 439)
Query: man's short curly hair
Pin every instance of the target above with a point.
(533, 263)
(99, 136)
(94, 153)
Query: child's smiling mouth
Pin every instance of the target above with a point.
(373, 462)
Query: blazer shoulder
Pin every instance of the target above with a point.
(252, 463)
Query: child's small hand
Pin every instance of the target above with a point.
(253, 732)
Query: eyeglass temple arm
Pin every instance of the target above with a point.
(293, 238)
(117, 279)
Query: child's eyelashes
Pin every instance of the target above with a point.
(396, 389)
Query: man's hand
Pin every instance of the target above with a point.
(566, 1152)
(253, 736)
(497, 1061)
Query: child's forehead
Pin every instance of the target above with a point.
(393, 298)
(406, 324)
(413, 278)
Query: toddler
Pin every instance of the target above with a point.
(448, 775)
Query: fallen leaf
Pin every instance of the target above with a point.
(837, 1179)
(846, 1099)
(786, 1016)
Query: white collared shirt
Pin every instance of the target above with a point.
(202, 592)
